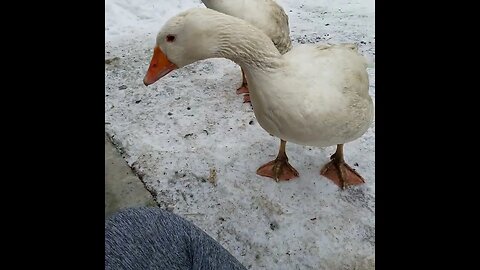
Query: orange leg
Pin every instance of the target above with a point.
(244, 89)
(339, 172)
(278, 169)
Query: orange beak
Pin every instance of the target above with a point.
(159, 67)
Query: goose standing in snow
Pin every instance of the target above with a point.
(314, 95)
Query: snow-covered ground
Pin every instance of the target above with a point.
(198, 146)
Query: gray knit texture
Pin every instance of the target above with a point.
(152, 238)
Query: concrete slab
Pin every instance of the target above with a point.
(122, 187)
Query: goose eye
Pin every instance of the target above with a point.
(170, 38)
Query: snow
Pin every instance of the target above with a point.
(197, 146)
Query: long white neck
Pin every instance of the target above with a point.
(245, 45)
(213, 34)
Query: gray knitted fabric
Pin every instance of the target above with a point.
(152, 238)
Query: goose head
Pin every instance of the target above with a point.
(184, 39)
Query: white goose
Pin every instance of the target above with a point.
(313, 95)
(266, 15)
